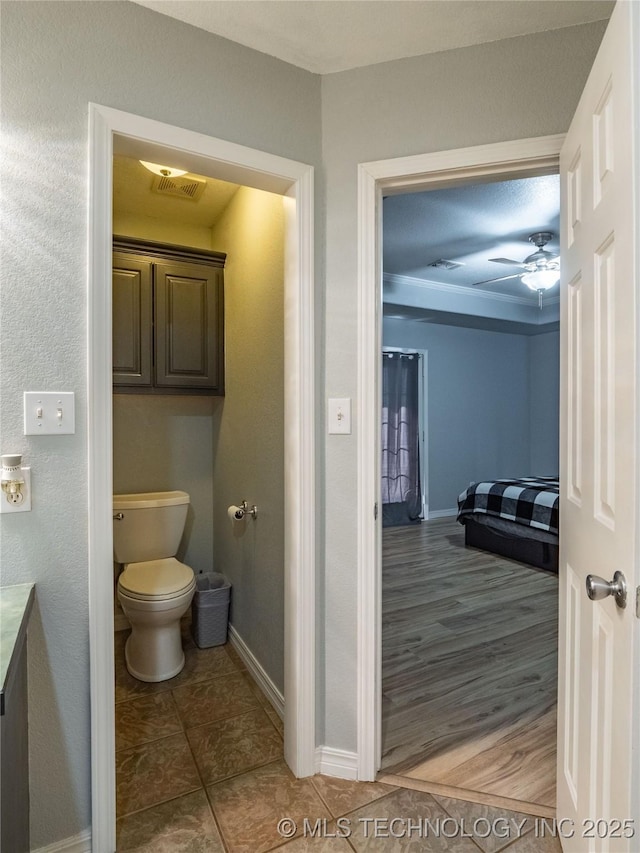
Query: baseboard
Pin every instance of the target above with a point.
(336, 762)
(78, 844)
(442, 513)
(255, 668)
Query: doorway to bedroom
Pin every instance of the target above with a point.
(470, 605)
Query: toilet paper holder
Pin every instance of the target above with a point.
(245, 509)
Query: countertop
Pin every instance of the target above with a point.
(15, 606)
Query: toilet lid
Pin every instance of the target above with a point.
(155, 578)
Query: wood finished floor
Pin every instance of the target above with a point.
(469, 665)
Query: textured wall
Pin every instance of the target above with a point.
(150, 228)
(249, 423)
(544, 382)
(163, 443)
(492, 404)
(445, 100)
(56, 58)
(478, 404)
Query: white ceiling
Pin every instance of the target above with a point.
(325, 36)
(470, 224)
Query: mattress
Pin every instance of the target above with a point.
(528, 503)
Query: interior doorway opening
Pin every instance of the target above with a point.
(136, 137)
(469, 625)
(526, 158)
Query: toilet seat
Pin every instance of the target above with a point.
(156, 580)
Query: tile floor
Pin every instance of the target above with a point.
(200, 769)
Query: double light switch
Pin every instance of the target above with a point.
(49, 413)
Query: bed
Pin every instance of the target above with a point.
(513, 518)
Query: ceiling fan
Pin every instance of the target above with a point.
(541, 268)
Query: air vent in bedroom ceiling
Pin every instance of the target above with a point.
(182, 187)
(442, 264)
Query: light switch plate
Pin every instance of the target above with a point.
(49, 413)
(25, 506)
(339, 415)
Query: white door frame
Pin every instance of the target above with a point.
(227, 161)
(514, 159)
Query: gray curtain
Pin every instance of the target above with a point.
(401, 487)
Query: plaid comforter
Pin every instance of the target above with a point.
(532, 501)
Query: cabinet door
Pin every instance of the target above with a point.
(188, 316)
(132, 320)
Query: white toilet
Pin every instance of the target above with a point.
(154, 589)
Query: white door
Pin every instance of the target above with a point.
(599, 478)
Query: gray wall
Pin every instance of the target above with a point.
(56, 57)
(486, 392)
(248, 430)
(544, 402)
(446, 100)
(163, 443)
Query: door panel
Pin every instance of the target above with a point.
(188, 342)
(132, 324)
(599, 501)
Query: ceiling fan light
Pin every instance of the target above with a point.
(541, 279)
(163, 171)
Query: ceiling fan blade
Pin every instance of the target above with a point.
(491, 280)
(508, 261)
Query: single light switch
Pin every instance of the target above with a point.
(49, 413)
(339, 415)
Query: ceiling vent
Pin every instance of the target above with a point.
(182, 187)
(442, 264)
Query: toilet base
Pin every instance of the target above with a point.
(152, 677)
(153, 651)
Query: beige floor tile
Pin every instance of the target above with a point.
(342, 796)
(275, 719)
(146, 719)
(208, 701)
(257, 690)
(153, 773)
(492, 828)
(400, 826)
(199, 665)
(535, 842)
(235, 657)
(229, 747)
(249, 807)
(318, 845)
(184, 825)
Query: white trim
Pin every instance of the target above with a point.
(508, 159)
(459, 289)
(295, 181)
(257, 671)
(336, 762)
(80, 843)
(442, 513)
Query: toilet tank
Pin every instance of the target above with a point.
(148, 526)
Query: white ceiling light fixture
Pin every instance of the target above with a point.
(542, 268)
(163, 171)
(541, 279)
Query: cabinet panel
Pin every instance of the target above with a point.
(188, 326)
(132, 320)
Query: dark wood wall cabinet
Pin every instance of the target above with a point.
(168, 319)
